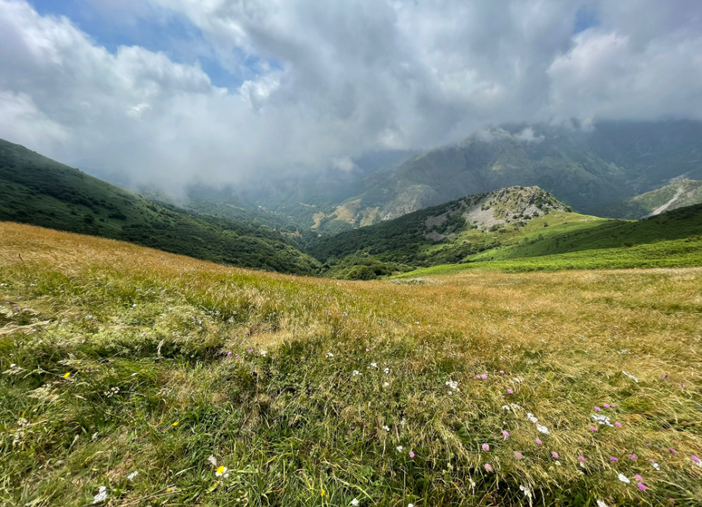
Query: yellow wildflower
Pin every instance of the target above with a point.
(68, 374)
(175, 424)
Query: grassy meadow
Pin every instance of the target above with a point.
(134, 377)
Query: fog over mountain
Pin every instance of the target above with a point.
(175, 92)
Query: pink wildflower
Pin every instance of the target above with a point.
(673, 451)
(488, 467)
(411, 454)
(633, 457)
(581, 459)
(641, 486)
(606, 405)
(229, 354)
(592, 428)
(518, 455)
(618, 424)
(483, 376)
(539, 442)
(695, 459)
(597, 409)
(638, 478)
(613, 459)
(486, 447)
(502, 372)
(510, 391)
(554, 455)
(505, 434)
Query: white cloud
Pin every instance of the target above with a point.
(325, 81)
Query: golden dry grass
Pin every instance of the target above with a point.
(567, 335)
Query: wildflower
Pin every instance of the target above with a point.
(592, 428)
(633, 457)
(505, 407)
(399, 448)
(597, 409)
(329, 354)
(505, 434)
(175, 424)
(641, 486)
(132, 476)
(555, 455)
(386, 384)
(386, 371)
(613, 459)
(510, 391)
(696, 460)
(502, 372)
(101, 495)
(638, 478)
(355, 502)
(411, 454)
(600, 503)
(542, 429)
(374, 365)
(486, 447)
(624, 478)
(655, 465)
(355, 372)
(222, 472)
(672, 451)
(169, 490)
(606, 405)
(518, 455)
(618, 424)
(483, 376)
(581, 459)
(67, 374)
(488, 467)
(323, 493)
(229, 354)
(367, 350)
(410, 505)
(671, 500)
(263, 353)
(527, 492)
(386, 428)
(539, 442)
(531, 417)
(517, 380)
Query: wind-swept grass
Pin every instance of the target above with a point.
(116, 360)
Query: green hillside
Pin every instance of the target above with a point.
(513, 223)
(677, 194)
(39, 191)
(673, 239)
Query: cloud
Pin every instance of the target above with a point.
(315, 84)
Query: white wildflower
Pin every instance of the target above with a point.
(356, 372)
(527, 493)
(386, 384)
(602, 420)
(131, 476)
(329, 354)
(386, 370)
(517, 380)
(624, 479)
(655, 466)
(264, 353)
(515, 407)
(374, 365)
(355, 502)
(399, 448)
(505, 407)
(13, 365)
(542, 429)
(386, 428)
(531, 417)
(629, 375)
(453, 385)
(600, 503)
(101, 495)
(222, 472)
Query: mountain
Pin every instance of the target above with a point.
(587, 168)
(677, 194)
(511, 223)
(39, 191)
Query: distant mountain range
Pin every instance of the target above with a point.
(679, 193)
(589, 169)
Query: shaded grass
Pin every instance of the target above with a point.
(145, 337)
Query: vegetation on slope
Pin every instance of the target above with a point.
(677, 194)
(475, 390)
(40, 191)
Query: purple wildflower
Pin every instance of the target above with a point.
(633, 457)
(618, 424)
(613, 459)
(641, 486)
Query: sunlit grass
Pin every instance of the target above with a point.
(145, 338)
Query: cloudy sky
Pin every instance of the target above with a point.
(176, 91)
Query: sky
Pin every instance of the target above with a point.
(175, 92)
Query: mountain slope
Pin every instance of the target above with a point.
(585, 168)
(39, 191)
(677, 194)
(512, 223)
